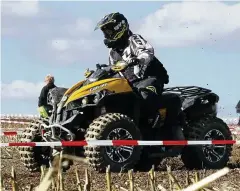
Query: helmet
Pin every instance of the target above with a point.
(115, 29)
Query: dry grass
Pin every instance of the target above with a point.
(80, 178)
(85, 180)
(52, 179)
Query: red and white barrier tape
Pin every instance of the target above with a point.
(121, 143)
(10, 133)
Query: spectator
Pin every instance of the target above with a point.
(238, 111)
(43, 107)
(238, 107)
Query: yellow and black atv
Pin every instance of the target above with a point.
(105, 106)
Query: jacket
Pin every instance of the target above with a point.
(42, 100)
(149, 65)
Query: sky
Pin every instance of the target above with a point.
(198, 43)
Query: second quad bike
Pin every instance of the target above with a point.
(105, 106)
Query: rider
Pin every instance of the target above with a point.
(43, 107)
(147, 73)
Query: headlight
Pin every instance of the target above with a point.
(94, 98)
(64, 98)
(92, 79)
(85, 101)
(97, 97)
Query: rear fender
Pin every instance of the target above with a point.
(200, 105)
(210, 98)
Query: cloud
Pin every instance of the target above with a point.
(80, 26)
(54, 37)
(78, 42)
(20, 89)
(60, 44)
(20, 8)
(189, 23)
(62, 38)
(71, 50)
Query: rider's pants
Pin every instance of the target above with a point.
(150, 89)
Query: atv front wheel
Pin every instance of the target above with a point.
(207, 156)
(113, 126)
(33, 157)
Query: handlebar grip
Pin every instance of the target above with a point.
(104, 65)
(98, 66)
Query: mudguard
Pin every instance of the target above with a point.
(190, 101)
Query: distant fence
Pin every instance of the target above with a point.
(230, 120)
(18, 116)
(25, 119)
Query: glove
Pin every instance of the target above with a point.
(88, 72)
(119, 66)
(134, 61)
(43, 112)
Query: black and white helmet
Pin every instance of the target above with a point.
(115, 29)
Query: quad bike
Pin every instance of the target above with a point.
(105, 106)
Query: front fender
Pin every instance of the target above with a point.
(127, 103)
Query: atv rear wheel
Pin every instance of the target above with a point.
(33, 157)
(113, 126)
(207, 156)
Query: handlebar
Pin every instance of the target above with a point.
(112, 70)
(100, 66)
(117, 68)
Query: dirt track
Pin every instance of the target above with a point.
(229, 182)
